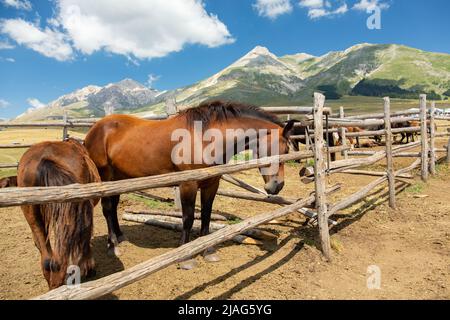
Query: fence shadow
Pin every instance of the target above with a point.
(245, 266)
(367, 206)
(151, 237)
(105, 265)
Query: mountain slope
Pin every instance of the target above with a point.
(256, 77)
(376, 70)
(260, 77)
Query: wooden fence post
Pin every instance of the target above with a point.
(424, 136)
(171, 109)
(389, 158)
(177, 198)
(65, 129)
(432, 140)
(319, 175)
(343, 133)
(448, 151)
(109, 110)
(171, 106)
(307, 144)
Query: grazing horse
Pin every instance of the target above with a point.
(350, 139)
(127, 147)
(61, 231)
(406, 135)
(301, 131)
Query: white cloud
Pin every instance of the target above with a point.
(322, 8)
(364, 5)
(4, 45)
(49, 42)
(272, 8)
(312, 4)
(151, 79)
(7, 59)
(35, 103)
(141, 30)
(18, 4)
(146, 29)
(4, 103)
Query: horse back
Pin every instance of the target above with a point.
(68, 156)
(102, 132)
(123, 146)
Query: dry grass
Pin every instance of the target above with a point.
(26, 136)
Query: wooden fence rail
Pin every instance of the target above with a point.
(108, 284)
(77, 192)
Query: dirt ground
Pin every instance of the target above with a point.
(410, 245)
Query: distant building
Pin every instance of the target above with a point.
(54, 118)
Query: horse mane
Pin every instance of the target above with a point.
(220, 111)
(70, 222)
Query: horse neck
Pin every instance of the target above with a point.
(246, 124)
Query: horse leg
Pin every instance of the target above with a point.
(33, 216)
(331, 143)
(109, 206)
(403, 138)
(208, 193)
(115, 203)
(188, 193)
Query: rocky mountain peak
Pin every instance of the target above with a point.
(129, 84)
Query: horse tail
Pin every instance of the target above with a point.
(70, 223)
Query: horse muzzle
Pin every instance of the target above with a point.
(273, 187)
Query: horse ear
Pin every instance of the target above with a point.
(287, 130)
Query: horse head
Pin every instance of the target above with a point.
(274, 175)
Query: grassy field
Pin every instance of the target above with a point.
(354, 105)
(26, 136)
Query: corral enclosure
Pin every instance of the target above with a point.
(290, 231)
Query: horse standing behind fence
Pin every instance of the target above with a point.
(329, 138)
(126, 147)
(61, 231)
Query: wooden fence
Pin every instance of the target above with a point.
(314, 206)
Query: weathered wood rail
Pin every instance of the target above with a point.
(115, 281)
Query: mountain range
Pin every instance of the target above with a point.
(262, 78)
(124, 96)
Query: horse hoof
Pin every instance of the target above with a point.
(210, 255)
(188, 264)
(213, 257)
(113, 251)
(122, 238)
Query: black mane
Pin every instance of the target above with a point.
(220, 111)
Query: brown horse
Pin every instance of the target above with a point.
(329, 138)
(125, 147)
(61, 231)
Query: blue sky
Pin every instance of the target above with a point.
(50, 48)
